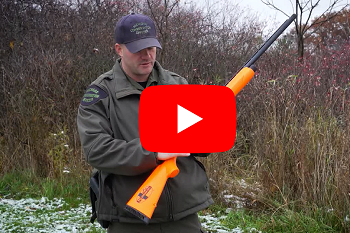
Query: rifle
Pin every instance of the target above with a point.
(144, 201)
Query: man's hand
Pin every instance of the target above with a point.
(165, 156)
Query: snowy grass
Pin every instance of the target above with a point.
(212, 224)
(56, 216)
(44, 215)
(31, 204)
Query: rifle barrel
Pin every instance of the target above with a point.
(267, 44)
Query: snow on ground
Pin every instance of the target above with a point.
(31, 215)
(44, 215)
(211, 224)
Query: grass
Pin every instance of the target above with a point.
(33, 204)
(63, 204)
(44, 215)
(70, 187)
(283, 220)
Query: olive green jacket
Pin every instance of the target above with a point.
(109, 132)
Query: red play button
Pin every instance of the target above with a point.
(187, 118)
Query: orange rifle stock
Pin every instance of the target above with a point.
(143, 203)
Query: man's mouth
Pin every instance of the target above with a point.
(145, 63)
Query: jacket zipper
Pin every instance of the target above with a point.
(170, 201)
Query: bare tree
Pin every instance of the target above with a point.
(161, 12)
(305, 9)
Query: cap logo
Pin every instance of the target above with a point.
(137, 32)
(140, 28)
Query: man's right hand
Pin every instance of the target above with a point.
(165, 156)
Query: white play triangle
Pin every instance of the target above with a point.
(185, 118)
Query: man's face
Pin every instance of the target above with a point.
(137, 65)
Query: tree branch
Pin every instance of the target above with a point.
(272, 5)
(318, 23)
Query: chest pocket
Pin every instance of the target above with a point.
(126, 112)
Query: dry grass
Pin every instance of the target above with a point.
(293, 126)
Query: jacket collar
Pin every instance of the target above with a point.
(124, 85)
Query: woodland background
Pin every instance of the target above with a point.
(293, 126)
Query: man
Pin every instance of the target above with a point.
(109, 133)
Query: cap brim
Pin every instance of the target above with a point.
(138, 45)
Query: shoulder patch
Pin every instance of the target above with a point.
(92, 95)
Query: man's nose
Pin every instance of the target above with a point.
(145, 52)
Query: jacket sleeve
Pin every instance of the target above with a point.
(106, 153)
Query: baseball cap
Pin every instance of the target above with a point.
(137, 32)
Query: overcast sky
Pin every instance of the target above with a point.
(274, 16)
(286, 6)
